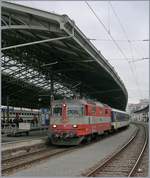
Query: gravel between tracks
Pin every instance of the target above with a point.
(76, 162)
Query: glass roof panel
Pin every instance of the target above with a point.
(29, 75)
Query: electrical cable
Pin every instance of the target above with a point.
(114, 42)
(130, 46)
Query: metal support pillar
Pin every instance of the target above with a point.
(81, 92)
(7, 111)
(51, 93)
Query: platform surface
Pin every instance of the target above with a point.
(35, 137)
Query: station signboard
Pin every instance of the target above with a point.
(45, 116)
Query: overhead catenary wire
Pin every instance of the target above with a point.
(136, 60)
(119, 40)
(105, 28)
(116, 44)
(131, 59)
(123, 29)
(130, 46)
(109, 18)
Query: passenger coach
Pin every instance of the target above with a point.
(119, 119)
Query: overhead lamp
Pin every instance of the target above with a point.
(50, 64)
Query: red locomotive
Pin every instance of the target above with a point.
(73, 121)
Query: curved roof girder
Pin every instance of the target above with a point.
(36, 42)
(17, 17)
(145, 109)
(93, 52)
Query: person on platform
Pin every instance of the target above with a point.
(2, 123)
(35, 121)
(16, 120)
(20, 120)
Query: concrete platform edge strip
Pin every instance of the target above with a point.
(21, 144)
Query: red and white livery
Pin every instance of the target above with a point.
(75, 120)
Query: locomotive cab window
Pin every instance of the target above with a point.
(74, 111)
(57, 111)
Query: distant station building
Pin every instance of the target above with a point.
(141, 115)
(134, 107)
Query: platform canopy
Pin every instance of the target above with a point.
(46, 54)
(143, 110)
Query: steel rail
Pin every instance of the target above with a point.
(8, 169)
(141, 154)
(113, 155)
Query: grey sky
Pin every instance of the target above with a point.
(134, 16)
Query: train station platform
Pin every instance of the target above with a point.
(8, 146)
(34, 134)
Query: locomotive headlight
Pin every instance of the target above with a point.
(54, 126)
(74, 126)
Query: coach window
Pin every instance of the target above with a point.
(93, 110)
(100, 111)
(82, 110)
(86, 110)
(117, 116)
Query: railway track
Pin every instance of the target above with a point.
(125, 161)
(28, 156)
(14, 163)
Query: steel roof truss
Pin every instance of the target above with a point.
(36, 42)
